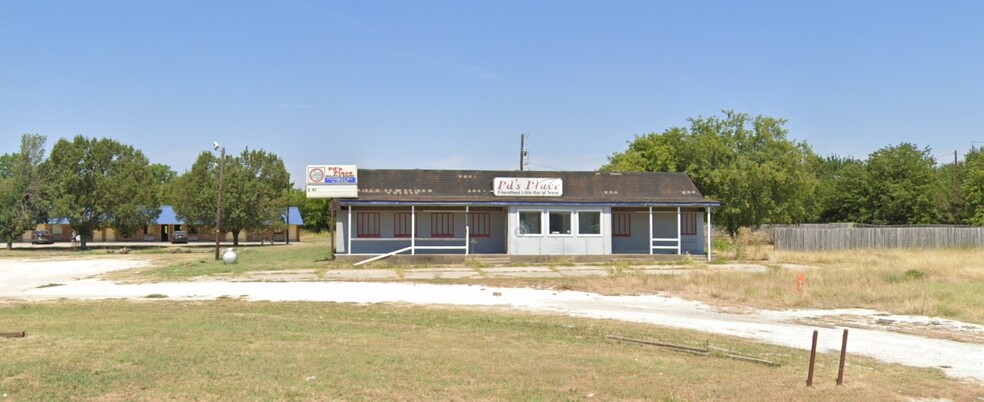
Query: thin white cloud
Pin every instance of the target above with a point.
(474, 71)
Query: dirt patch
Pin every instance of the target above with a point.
(924, 326)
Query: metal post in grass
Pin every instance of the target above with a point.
(813, 359)
(840, 369)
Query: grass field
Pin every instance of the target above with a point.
(236, 350)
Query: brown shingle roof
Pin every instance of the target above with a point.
(467, 186)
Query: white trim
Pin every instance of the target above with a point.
(708, 233)
(679, 231)
(413, 229)
(467, 229)
(650, 230)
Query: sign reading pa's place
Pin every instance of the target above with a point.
(332, 181)
(527, 187)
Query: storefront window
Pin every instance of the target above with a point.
(560, 223)
(589, 222)
(529, 223)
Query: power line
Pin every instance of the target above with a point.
(545, 166)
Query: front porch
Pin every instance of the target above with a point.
(517, 260)
(527, 232)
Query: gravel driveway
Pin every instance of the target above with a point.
(23, 280)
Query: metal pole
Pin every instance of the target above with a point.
(413, 230)
(708, 234)
(522, 150)
(350, 213)
(218, 203)
(333, 227)
(288, 224)
(813, 360)
(840, 370)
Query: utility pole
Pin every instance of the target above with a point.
(523, 154)
(218, 198)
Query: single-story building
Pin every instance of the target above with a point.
(523, 213)
(167, 223)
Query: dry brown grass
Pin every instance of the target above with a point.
(946, 283)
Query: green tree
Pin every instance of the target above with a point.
(748, 164)
(948, 188)
(164, 177)
(255, 192)
(101, 183)
(7, 165)
(315, 211)
(900, 184)
(650, 153)
(162, 173)
(972, 187)
(841, 190)
(193, 194)
(23, 189)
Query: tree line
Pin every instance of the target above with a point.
(100, 183)
(760, 176)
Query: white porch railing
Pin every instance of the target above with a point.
(414, 247)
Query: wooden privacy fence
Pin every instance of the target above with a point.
(828, 239)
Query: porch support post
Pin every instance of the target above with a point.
(348, 250)
(679, 232)
(413, 229)
(708, 233)
(650, 230)
(467, 231)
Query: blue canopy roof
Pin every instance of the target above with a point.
(294, 215)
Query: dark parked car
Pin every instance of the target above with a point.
(42, 237)
(179, 236)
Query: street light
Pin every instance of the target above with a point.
(218, 197)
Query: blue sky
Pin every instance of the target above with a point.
(434, 84)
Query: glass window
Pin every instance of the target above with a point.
(560, 223)
(589, 222)
(367, 224)
(401, 224)
(621, 224)
(688, 224)
(478, 225)
(529, 223)
(442, 224)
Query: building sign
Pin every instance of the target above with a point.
(332, 181)
(527, 187)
